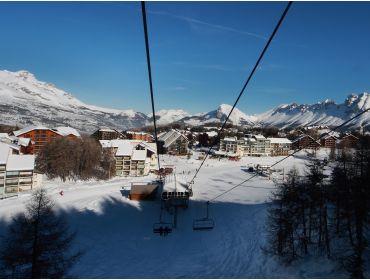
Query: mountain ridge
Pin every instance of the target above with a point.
(28, 101)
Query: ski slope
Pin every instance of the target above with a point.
(116, 233)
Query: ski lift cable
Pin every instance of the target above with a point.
(143, 11)
(245, 85)
(281, 160)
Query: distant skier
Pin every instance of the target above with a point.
(61, 192)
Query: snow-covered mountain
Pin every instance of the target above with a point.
(26, 101)
(168, 116)
(237, 117)
(323, 113)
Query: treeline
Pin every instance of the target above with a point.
(75, 159)
(315, 213)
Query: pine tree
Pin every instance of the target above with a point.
(38, 242)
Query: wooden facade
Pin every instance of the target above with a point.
(107, 134)
(39, 138)
(328, 142)
(143, 136)
(305, 142)
(348, 141)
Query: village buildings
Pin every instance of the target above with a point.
(106, 133)
(40, 135)
(143, 136)
(173, 142)
(253, 145)
(280, 146)
(305, 142)
(132, 157)
(16, 171)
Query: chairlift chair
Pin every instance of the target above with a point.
(204, 223)
(162, 228)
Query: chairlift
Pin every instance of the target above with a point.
(204, 223)
(162, 228)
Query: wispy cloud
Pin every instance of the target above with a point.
(217, 67)
(208, 24)
(176, 88)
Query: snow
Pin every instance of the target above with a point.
(28, 129)
(20, 162)
(66, 130)
(169, 116)
(279, 140)
(139, 155)
(124, 149)
(4, 152)
(116, 233)
(24, 141)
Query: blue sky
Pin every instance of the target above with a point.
(201, 52)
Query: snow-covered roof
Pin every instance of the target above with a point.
(20, 162)
(212, 133)
(139, 155)
(124, 149)
(150, 146)
(279, 140)
(259, 137)
(28, 129)
(24, 141)
(5, 135)
(66, 130)
(115, 143)
(230, 139)
(106, 129)
(4, 153)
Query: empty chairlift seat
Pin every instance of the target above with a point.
(203, 224)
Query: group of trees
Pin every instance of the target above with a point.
(74, 159)
(38, 243)
(326, 211)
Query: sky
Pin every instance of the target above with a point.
(201, 52)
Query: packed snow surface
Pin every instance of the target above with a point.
(116, 233)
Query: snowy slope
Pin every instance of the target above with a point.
(323, 113)
(219, 115)
(116, 233)
(25, 101)
(169, 116)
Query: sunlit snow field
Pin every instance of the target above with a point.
(116, 233)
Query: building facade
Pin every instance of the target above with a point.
(280, 146)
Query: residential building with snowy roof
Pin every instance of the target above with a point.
(16, 171)
(132, 157)
(280, 146)
(255, 145)
(173, 142)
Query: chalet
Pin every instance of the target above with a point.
(173, 142)
(328, 141)
(348, 140)
(280, 146)
(68, 132)
(305, 142)
(106, 133)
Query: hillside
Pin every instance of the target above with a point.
(27, 101)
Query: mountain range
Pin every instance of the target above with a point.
(27, 101)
